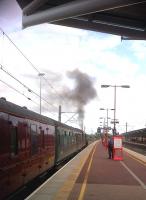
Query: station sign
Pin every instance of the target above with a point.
(117, 142)
(116, 122)
(117, 149)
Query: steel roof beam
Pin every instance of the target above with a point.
(74, 9)
(126, 32)
(108, 19)
(132, 38)
(33, 6)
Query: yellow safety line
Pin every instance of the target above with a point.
(82, 192)
(68, 185)
(137, 159)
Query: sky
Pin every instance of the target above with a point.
(64, 54)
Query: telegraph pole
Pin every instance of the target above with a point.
(126, 126)
(59, 114)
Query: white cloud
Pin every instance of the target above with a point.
(139, 49)
(59, 49)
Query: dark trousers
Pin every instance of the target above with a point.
(110, 152)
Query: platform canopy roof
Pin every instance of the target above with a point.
(134, 133)
(126, 18)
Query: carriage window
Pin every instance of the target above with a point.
(34, 139)
(58, 139)
(42, 139)
(3, 116)
(4, 136)
(14, 141)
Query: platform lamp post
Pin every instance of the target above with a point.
(103, 122)
(107, 110)
(115, 87)
(41, 75)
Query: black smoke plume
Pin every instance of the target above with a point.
(83, 91)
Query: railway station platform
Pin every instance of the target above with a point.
(92, 176)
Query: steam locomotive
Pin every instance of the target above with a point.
(31, 144)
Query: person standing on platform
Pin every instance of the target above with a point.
(110, 147)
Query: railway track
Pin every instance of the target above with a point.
(137, 147)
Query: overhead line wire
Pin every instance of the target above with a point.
(30, 90)
(30, 62)
(19, 50)
(70, 117)
(18, 91)
(54, 89)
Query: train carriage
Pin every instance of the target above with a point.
(30, 144)
(69, 140)
(27, 146)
